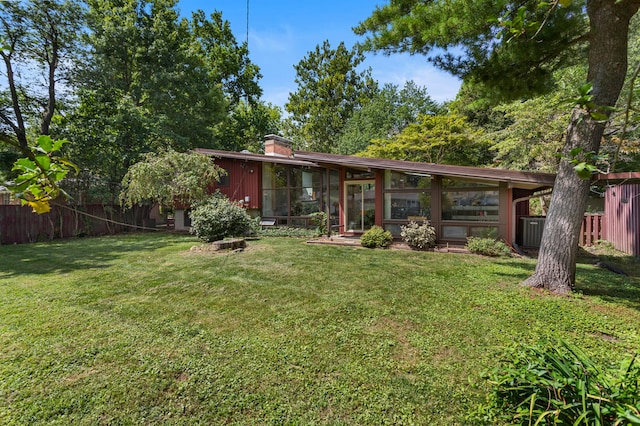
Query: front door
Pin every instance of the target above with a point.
(361, 205)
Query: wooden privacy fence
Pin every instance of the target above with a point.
(19, 224)
(592, 230)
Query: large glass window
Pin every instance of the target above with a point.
(292, 191)
(399, 180)
(407, 197)
(481, 206)
(407, 205)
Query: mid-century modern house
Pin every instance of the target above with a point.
(284, 187)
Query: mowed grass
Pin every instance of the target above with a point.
(139, 330)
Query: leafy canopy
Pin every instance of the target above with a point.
(385, 115)
(464, 37)
(330, 90)
(168, 178)
(442, 139)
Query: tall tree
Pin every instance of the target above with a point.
(246, 125)
(153, 81)
(330, 90)
(387, 114)
(536, 38)
(39, 45)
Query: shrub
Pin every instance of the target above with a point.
(376, 237)
(487, 247)
(556, 383)
(286, 231)
(418, 237)
(217, 218)
(320, 220)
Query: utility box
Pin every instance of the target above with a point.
(532, 228)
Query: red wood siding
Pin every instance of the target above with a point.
(622, 210)
(244, 181)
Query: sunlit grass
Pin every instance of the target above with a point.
(139, 330)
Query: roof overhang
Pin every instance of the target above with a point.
(514, 178)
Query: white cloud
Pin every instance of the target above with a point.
(398, 69)
(279, 41)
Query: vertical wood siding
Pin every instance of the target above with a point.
(622, 210)
(244, 181)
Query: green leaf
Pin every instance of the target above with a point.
(24, 164)
(45, 142)
(44, 162)
(575, 151)
(599, 116)
(57, 144)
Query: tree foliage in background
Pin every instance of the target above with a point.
(168, 178)
(384, 116)
(442, 139)
(246, 127)
(152, 81)
(330, 90)
(533, 130)
(511, 49)
(39, 48)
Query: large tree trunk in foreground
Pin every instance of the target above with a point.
(609, 27)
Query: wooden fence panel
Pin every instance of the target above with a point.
(592, 229)
(20, 225)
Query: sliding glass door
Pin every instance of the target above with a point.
(360, 205)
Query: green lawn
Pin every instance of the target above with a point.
(139, 330)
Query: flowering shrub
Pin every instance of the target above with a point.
(419, 237)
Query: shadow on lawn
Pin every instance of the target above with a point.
(70, 255)
(606, 284)
(597, 281)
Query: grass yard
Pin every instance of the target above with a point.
(139, 330)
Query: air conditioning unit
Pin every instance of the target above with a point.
(532, 228)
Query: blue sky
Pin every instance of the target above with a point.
(282, 32)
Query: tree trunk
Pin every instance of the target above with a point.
(609, 27)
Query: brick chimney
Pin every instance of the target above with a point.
(277, 146)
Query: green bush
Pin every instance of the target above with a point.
(287, 231)
(556, 383)
(319, 219)
(487, 247)
(217, 218)
(376, 237)
(419, 237)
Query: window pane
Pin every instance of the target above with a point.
(360, 174)
(484, 231)
(394, 228)
(274, 176)
(459, 183)
(274, 202)
(478, 206)
(407, 206)
(398, 180)
(454, 232)
(304, 201)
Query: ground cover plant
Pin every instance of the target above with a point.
(137, 329)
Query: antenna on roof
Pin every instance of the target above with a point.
(247, 24)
